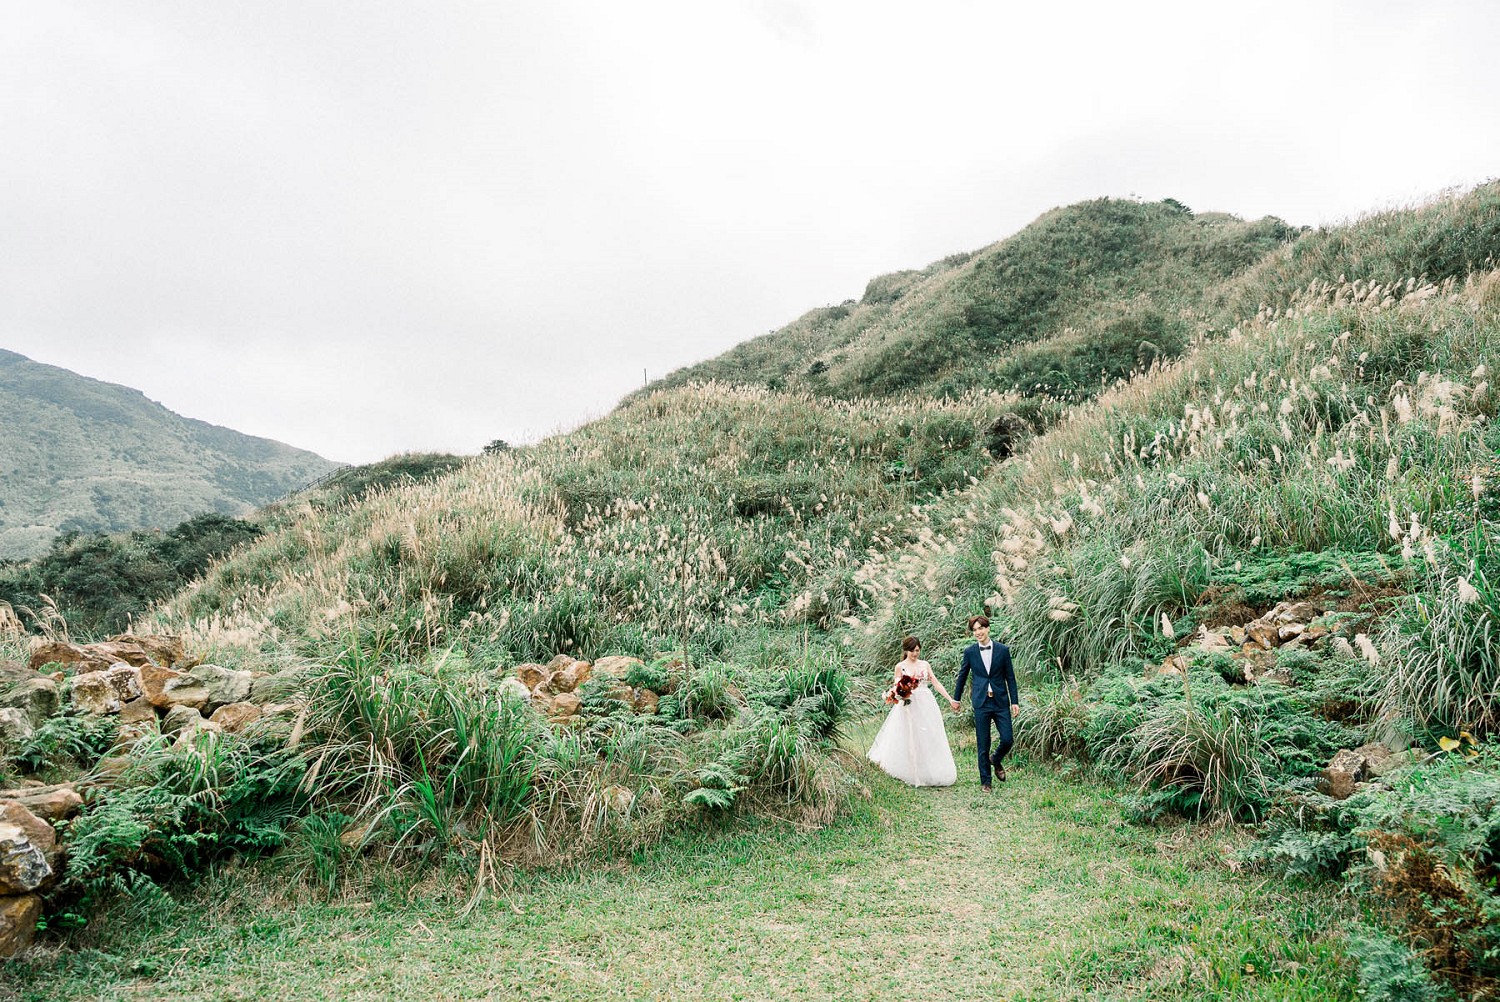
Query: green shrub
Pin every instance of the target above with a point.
(174, 810)
(67, 740)
(1206, 761)
(1054, 721)
(1390, 972)
(1444, 647)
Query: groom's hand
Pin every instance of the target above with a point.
(1014, 709)
(953, 703)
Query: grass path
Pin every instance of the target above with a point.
(1035, 892)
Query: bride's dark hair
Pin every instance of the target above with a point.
(910, 644)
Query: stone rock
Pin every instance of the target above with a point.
(1290, 631)
(153, 684)
(48, 652)
(559, 662)
(15, 727)
(235, 717)
(41, 834)
(179, 718)
(1263, 634)
(50, 803)
(167, 651)
(23, 864)
(12, 672)
(129, 734)
(1237, 635)
(188, 736)
(1176, 664)
(1211, 640)
(532, 675)
(1293, 612)
(1276, 676)
(35, 697)
(137, 711)
(119, 652)
(1314, 633)
(570, 678)
(1378, 758)
(181, 691)
(1343, 773)
(126, 680)
(222, 685)
(1343, 648)
(565, 704)
(92, 693)
(615, 666)
(646, 701)
(18, 919)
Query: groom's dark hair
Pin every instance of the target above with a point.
(910, 644)
(978, 621)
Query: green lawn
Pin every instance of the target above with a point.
(1038, 891)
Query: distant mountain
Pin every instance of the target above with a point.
(79, 453)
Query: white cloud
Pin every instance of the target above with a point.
(362, 229)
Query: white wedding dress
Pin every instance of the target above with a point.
(912, 744)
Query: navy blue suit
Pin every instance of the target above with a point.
(994, 692)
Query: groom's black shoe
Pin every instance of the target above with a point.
(985, 787)
(1000, 772)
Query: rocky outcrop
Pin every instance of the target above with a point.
(102, 692)
(36, 697)
(23, 863)
(50, 803)
(1352, 766)
(18, 918)
(235, 717)
(15, 728)
(553, 687)
(1254, 646)
(130, 649)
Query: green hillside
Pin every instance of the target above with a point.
(1083, 295)
(81, 454)
(1312, 429)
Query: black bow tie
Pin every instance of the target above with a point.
(986, 647)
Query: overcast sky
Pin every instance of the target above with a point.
(369, 228)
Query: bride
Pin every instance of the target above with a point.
(912, 744)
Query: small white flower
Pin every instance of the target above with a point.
(1367, 648)
(1467, 593)
(1166, 628)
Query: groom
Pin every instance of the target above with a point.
(994, 681)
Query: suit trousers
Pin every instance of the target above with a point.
(983, 716)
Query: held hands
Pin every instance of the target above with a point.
(953, 703)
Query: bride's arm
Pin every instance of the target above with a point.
(938, 683)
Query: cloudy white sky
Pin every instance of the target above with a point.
(369, 228)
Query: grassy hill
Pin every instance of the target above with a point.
(1083, 295)
(81, 454)
(1314, 419)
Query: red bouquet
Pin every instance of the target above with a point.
(902, 690)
